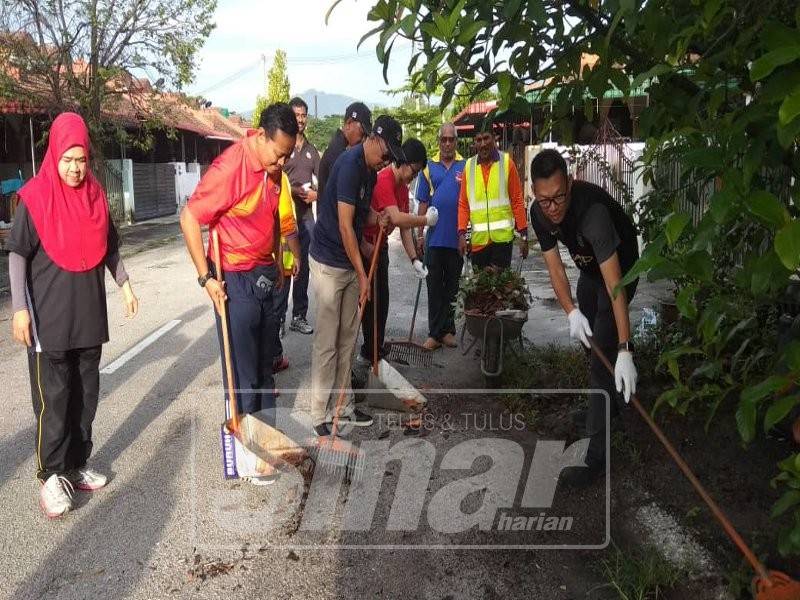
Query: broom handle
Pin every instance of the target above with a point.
(687, 471)
(361, 307)
(414, 316)
(416, 301)
(226, 344)
(375, 326)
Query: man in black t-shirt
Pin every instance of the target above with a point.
(356, 127)
(602, 241)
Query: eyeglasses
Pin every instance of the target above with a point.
(447, 139)
(547, 203)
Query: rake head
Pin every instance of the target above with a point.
(335, 455)
(409, 353)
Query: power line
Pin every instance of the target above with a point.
(232, 77)
(300, 61)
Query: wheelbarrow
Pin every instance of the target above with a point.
(493, 332)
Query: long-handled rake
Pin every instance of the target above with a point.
(334, 454)
(767, 585)
(409, 352)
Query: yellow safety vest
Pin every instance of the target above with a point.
(489, 205)
(285, 208)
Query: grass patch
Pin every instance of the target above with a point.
(624, 446)
(547, 367)
(639, 575)
(550, 367)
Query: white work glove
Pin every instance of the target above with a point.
(625, 374)
(432, 216)
(420, 270)
(579, 328)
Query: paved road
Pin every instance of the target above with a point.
(169, 526)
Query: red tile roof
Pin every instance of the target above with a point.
(135, 102)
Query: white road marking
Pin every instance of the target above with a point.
(114, 366)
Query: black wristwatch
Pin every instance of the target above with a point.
(203, 279)
(625, 346)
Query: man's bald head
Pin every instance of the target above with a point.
(447, 142)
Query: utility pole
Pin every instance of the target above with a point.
(316, 115)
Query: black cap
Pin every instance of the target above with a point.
(391, 132)
(358, 111)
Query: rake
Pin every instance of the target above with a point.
(334, 454)
(767, 585)
(409, 352)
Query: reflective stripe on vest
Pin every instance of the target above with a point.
(286, 204)
(490, 211)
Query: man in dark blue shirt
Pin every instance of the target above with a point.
(357, 125)
(338, 271)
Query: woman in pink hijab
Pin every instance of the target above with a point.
(61, 243)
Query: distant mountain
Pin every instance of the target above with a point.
(327, 104)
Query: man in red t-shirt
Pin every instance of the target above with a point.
(390, 195)
(238, 197)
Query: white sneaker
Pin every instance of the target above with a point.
(262, 480)
(87, 479)
(55, 496)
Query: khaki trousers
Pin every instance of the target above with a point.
(335, 334)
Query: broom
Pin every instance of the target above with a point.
(767, 585)
(334, 453)
(262, 448)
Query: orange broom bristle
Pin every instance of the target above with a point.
(779, 586)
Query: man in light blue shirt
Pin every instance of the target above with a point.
(439, 186)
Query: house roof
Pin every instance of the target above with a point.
(135, 101)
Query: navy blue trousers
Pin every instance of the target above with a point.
(252, 327)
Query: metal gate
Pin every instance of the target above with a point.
(111, 179)
(153, 190)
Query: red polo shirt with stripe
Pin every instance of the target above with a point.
(236, 198)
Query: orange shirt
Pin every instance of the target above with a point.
(515, 196)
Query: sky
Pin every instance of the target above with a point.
(323, 57)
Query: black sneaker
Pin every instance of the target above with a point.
(356, 419)
(300, 325)
(323, 429)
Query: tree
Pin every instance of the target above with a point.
(83, 55)
(419, 118)
(320, 131)
(277, 86)
(723, 120)
(466, 94)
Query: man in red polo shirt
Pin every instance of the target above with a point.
(390, 196)
(238, 197)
